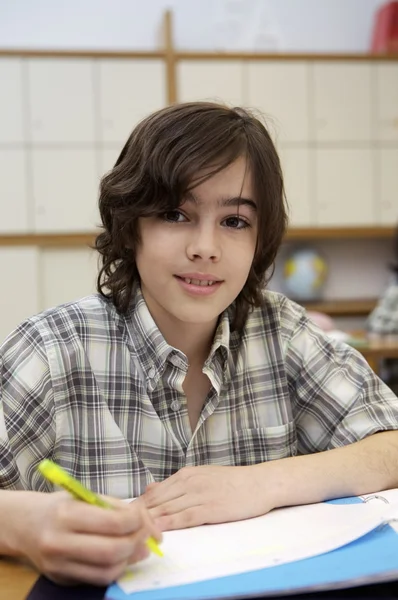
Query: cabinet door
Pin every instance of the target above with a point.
(280, 91)
(387, 102)
(296, 167)
(387, 187)
(13, 197)
(216, 81)
(108, 157)
(65, 190)
(19, 269)
(129, 91)
(66, 275)
(11, 101)
(342, 101)
(344, 187)
(61, 96)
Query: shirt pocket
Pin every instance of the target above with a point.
(253, 446)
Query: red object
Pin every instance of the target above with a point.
(385, 31)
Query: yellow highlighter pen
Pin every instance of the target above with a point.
(56, 475)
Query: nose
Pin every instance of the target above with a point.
(204, 243)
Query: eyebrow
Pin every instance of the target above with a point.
(230, 201)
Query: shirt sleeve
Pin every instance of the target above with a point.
(27, 427)
(336, 397)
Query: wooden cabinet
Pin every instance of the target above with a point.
(12, 108)
(129, 90)
(344, 184)
(342, 101)
(14, 186)
(296, 166)
(281, 92)
(220, 81)
(386, 90)
(387, 186)
(65, 190)
(20, 269)
(61, 101)
(67, 275)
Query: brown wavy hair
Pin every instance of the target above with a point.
(165, 157)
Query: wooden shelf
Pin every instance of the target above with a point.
(343, 308)
(68, 240)
(338, 233)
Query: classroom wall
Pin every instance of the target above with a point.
(302, 25)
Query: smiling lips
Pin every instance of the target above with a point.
(198, 283)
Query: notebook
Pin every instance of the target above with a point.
(334, 544)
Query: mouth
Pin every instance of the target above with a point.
(199, 282)
(205, 285)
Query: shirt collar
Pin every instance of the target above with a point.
(151, 351)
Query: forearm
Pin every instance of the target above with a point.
(363, 467)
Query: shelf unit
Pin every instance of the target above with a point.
(171, 58)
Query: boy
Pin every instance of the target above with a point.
(182, 381)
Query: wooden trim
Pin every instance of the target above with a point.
(186, 55)
(170, 58)
(82, 54)
(337, 233)
(343, 308)
(307, 234)
(49, 240)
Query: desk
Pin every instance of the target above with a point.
(377, 347)
(15, 579)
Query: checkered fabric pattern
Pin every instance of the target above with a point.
(384, 318)
(101, 394)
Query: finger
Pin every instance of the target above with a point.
(164, 492)
(174, 506)
(75, 572)
(190, 517)
(148, 521)
(85, 518)
(92, 549)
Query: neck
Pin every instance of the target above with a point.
(193, 339)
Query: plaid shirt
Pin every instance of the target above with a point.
(101, 394)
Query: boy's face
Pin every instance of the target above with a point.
(210, 237)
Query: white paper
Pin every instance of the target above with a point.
(282, 536)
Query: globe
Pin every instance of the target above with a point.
(304, 274)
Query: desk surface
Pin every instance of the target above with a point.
(16, 579)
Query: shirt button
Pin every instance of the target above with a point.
(151, 372)
(175, 405)
(177, 362)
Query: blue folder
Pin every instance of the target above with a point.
(372, 558)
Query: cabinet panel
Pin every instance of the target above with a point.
(386, 125)
(342, 101)
(129, 91)
(344, 187)
(65, 190)
(11, 101)
(296, 167)
(271, 87)
(107, 157)
(19, 268)
(66, 275)
(387, 188)
(61, 100)
(216, 81)
(13, 197)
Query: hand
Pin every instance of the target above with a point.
(207, 494)
(71, 541)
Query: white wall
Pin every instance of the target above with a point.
(300, 25)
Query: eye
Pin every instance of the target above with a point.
(173, 216)
(236, 222)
